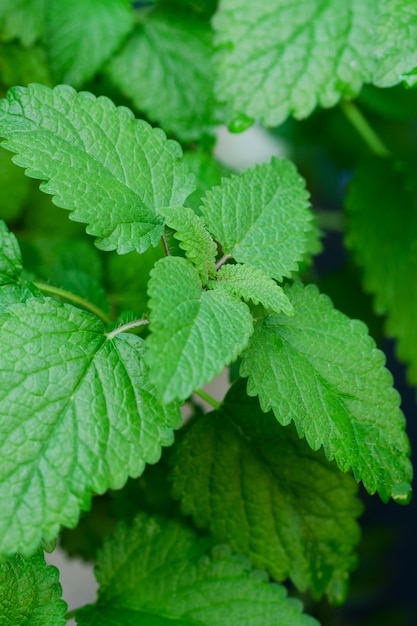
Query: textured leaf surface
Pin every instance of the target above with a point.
(383, 235)
(249, 283)
(112, 171)
(77, 415)
(261, 489)
(322, 371)
(278, 58)
(22, 19)
(10, 257)
(160, 570)
(261, 217)
(194, 238)
(395, 47)
(194, 333)
(30, 593)
(166, 70)
(14, 294)
(83, 34)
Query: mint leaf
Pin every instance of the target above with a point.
(87, 397)
(160, 570)
(395, 47)
(112, 171)
(10, 257)
(194, 333)
(22, 19)
(280, 58)
(242, 475)
(261, 217)
(14, 294)
(382, 232)
(30, 592)
(83, 35)
(166, 70)
(194, 238)
(249, 283)
(322, 371)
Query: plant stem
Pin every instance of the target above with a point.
(205, 396)
(126, 327)
(359, 121)
(222, 261)
(72, 297)
(72, 614)
(166, 246)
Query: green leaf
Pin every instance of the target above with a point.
(249, 283)
(30, 592)
(208, 172)
(23, 20)
(194, 333)
(10, 257)
(194, 238)
(382, 234)
(166, 70)
(262, 490)
(160, 570)
(261, 217)
(396, 51)
(77, 415)
(112, 171)
(322, 371)
(83, 35)
(277, 58)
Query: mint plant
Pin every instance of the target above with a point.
(171, 268)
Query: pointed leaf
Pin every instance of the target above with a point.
(278, 58)
(383, 233)
(166, 70)
(261, 217)
(159, 570)
(10, 257)
(112, 171)
(194, 238)
(194, 333)
(323, 371)
(77, 415)
(30, 592)
(261, 489)
(249, 283)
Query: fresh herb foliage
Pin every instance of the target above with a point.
(193, 268)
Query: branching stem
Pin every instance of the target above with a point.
(359, 121)
(126, 327)
(205, 396)
(72, 297)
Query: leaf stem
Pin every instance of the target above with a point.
(222, 260)
(126, 327)
(165, 244)
(359, 121)
(72, 614)
(205, 396)
(72, 297)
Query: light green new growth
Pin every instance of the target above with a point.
(112, 171)
(78, 415)
(194, 332)
(261, 217)
(194, 238)
(322, 371)
(159, 570)
(278, 58)
(249, 283)
(10, 257)
(165, 68)
(382, 234)
(30, 592)
(83, 34)
(238, 465)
